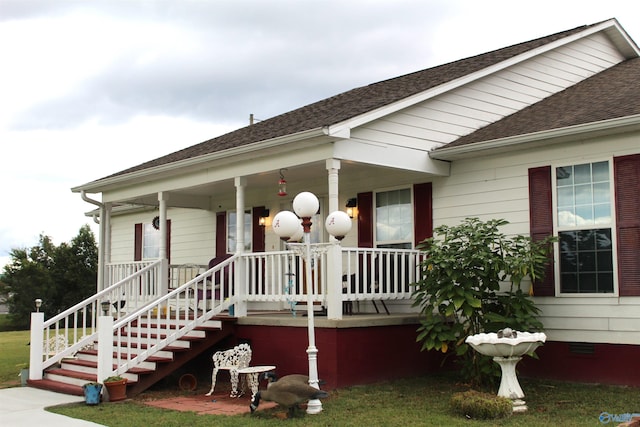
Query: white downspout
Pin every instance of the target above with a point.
(101, 239)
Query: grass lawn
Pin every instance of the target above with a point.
(14, 355)
(420, 401)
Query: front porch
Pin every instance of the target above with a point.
(151, 310)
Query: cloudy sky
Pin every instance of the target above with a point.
(91, 87)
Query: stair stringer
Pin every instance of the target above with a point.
(180, 358)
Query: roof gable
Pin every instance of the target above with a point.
(613, 93)
(351, 104)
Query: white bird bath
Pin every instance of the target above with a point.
(507, 352)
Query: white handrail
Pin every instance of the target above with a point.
(75, 328)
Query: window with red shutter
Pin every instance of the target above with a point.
(147, 241)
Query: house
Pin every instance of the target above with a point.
(544, 134)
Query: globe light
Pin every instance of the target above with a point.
(305, 204)
(338, 224)
(285, 224)
(297, 236)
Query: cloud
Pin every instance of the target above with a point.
(107, 65)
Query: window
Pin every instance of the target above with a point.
(232, 232)
(394, 219)
(584, 221)
(150, 242)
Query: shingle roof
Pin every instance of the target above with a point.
(353, 103)
(611, 94)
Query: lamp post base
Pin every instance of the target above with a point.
(314, 406)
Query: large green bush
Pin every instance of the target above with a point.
(460, 294)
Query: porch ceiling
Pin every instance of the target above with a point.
(263, 186)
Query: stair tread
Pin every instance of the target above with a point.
(57, 386)
(79, 375)
(72, 374)
(157, 359)
(78, 362)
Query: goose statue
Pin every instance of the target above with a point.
(288, 393)
(272, 378)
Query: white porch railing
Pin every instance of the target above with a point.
(164, 321)
(367, 274)
(76, 327)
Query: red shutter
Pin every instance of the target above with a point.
(627, 187)
(257, 231)
(541, 221)
(221, 234)
(137, 242)
(422, 212)
(365, 220)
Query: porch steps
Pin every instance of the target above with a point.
(69, 376)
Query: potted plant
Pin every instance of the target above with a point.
(92, 393)
(116, 387)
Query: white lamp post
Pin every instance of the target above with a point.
(286, 225)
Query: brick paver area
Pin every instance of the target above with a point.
(216, 404)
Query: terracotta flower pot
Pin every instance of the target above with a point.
(117, 390)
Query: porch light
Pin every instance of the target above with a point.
(105, 307)
(38, 303)
(262, 221)
(282, 184)
(338, 224)
(297, 236)
(287, 226)
(351, 207)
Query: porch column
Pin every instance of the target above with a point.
(334, 255)
(107, 232)
(163, 281)
(239, 279)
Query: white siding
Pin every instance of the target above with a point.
(497, 187)
(443, 119)
(192, 235)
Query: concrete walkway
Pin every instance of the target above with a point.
(24, 406)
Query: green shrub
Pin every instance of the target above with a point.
(460, 291)
(484, 406)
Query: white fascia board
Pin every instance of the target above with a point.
(148, 173)
(621, 39)
(391, 156)
(604, 127)
(608, 26)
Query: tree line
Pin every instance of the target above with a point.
(60, 275)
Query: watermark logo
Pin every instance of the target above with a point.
(606, 418)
